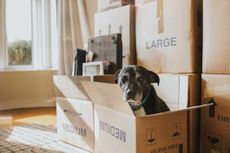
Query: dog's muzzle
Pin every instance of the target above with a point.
(132, 97)
(131, 94)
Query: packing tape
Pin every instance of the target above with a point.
(201, 106)
(160, 17)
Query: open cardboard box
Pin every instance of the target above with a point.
(118, 130)
(75, 120)
(80, 118)
(181, 91)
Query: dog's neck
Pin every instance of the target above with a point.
(138, 109)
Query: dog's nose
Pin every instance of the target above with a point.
(131, 94)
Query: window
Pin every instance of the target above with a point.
(30, 39)
(19, 33)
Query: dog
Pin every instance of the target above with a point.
(135, 83)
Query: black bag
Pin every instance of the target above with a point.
(79, 59)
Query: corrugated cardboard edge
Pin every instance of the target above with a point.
(132, 36)
(195, 34)
(194, 115)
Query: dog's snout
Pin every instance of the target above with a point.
(131, 94)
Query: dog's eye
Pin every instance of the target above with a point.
(124, 79)
(141, 79)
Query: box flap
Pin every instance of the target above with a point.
(169, 90)
(69, 86)
(178, 90)
(107, 95)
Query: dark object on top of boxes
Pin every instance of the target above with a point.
(107, 48)
(79, 59)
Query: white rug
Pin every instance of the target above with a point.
(33, 138)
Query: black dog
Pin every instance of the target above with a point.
(135, 82)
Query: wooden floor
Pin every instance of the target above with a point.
(44, 116)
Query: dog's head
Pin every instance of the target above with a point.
(135, 81)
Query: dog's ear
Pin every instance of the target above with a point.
(154, 78)
(116, 76)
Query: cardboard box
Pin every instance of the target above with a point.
(131, 133)
(167, 36)
(103, 5)
(215, 122)
(75, 122)
(75, 119)
(182, 91)
(119, 20)
(216, 36)
(117, 130)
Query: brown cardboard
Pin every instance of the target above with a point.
(179, 90)
(119, 20)
(75, 122)
(75, 119)
(216, 36)
(70, 86)
(166, 36)
(182, 91)
(117, 130)
(103, 5)
(215, 123)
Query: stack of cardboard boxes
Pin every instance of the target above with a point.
(215, 124)
(164, 36)
(168, 40)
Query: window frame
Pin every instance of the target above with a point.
(21, 67)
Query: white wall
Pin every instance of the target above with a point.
(20, 89)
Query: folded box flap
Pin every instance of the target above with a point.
(107, 95)
(70, 87)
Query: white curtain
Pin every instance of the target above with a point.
(73, 31)
(44, 25)
(2, 34)
(44, 34)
